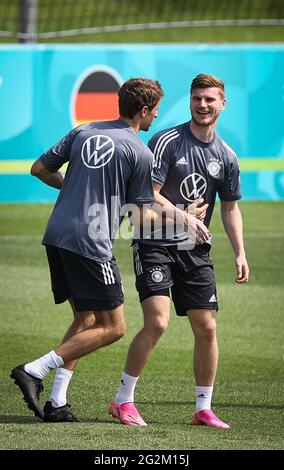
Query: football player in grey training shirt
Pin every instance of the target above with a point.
(191, 164)
(109, 166)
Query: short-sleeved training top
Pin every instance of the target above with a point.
(188, 169)
(109, 167)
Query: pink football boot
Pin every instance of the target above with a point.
(127, 413)
(208, 418)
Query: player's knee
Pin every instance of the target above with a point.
(118, 331)
(159, 327)
(121, 329)
(208, 330)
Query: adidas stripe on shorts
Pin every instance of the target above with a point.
(90, 284)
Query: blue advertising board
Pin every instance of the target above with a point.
(43, 95)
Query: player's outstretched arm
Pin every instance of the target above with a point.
(233, 224)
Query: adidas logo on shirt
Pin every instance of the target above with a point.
(182, 161)
(213, 298)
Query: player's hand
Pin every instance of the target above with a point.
(197, 209)
(195, 229)
(242, 269)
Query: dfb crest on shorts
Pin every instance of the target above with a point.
(157, 275)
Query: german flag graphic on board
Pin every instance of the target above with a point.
(95, 98)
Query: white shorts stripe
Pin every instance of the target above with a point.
(104, 273)
(138, 264)
(111, 273)
(108, 273)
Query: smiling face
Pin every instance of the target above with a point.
(205, 105)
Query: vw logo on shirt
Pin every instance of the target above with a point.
(193, 187)
(97, 151)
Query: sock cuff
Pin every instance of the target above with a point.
(61, 371)
(57, 359)
(129, 378)
(201, 389)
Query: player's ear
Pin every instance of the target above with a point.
(143, 111)
(223, 105)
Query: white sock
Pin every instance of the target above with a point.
(44, 364)
(203, 398)
(125, 393)
(59, 388)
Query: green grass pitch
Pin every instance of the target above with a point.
(249, 386)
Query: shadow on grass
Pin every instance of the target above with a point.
(222, 405)
(19, 419)
(13, 419)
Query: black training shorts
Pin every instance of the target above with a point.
(189, 274)
(90, 284)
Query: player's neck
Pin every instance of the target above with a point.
(203, 133)
(131, 122)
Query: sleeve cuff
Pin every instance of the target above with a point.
(235, 197)
(143, 201)
(158, 180)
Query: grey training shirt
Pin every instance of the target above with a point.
(109, 167)
(188, 169)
